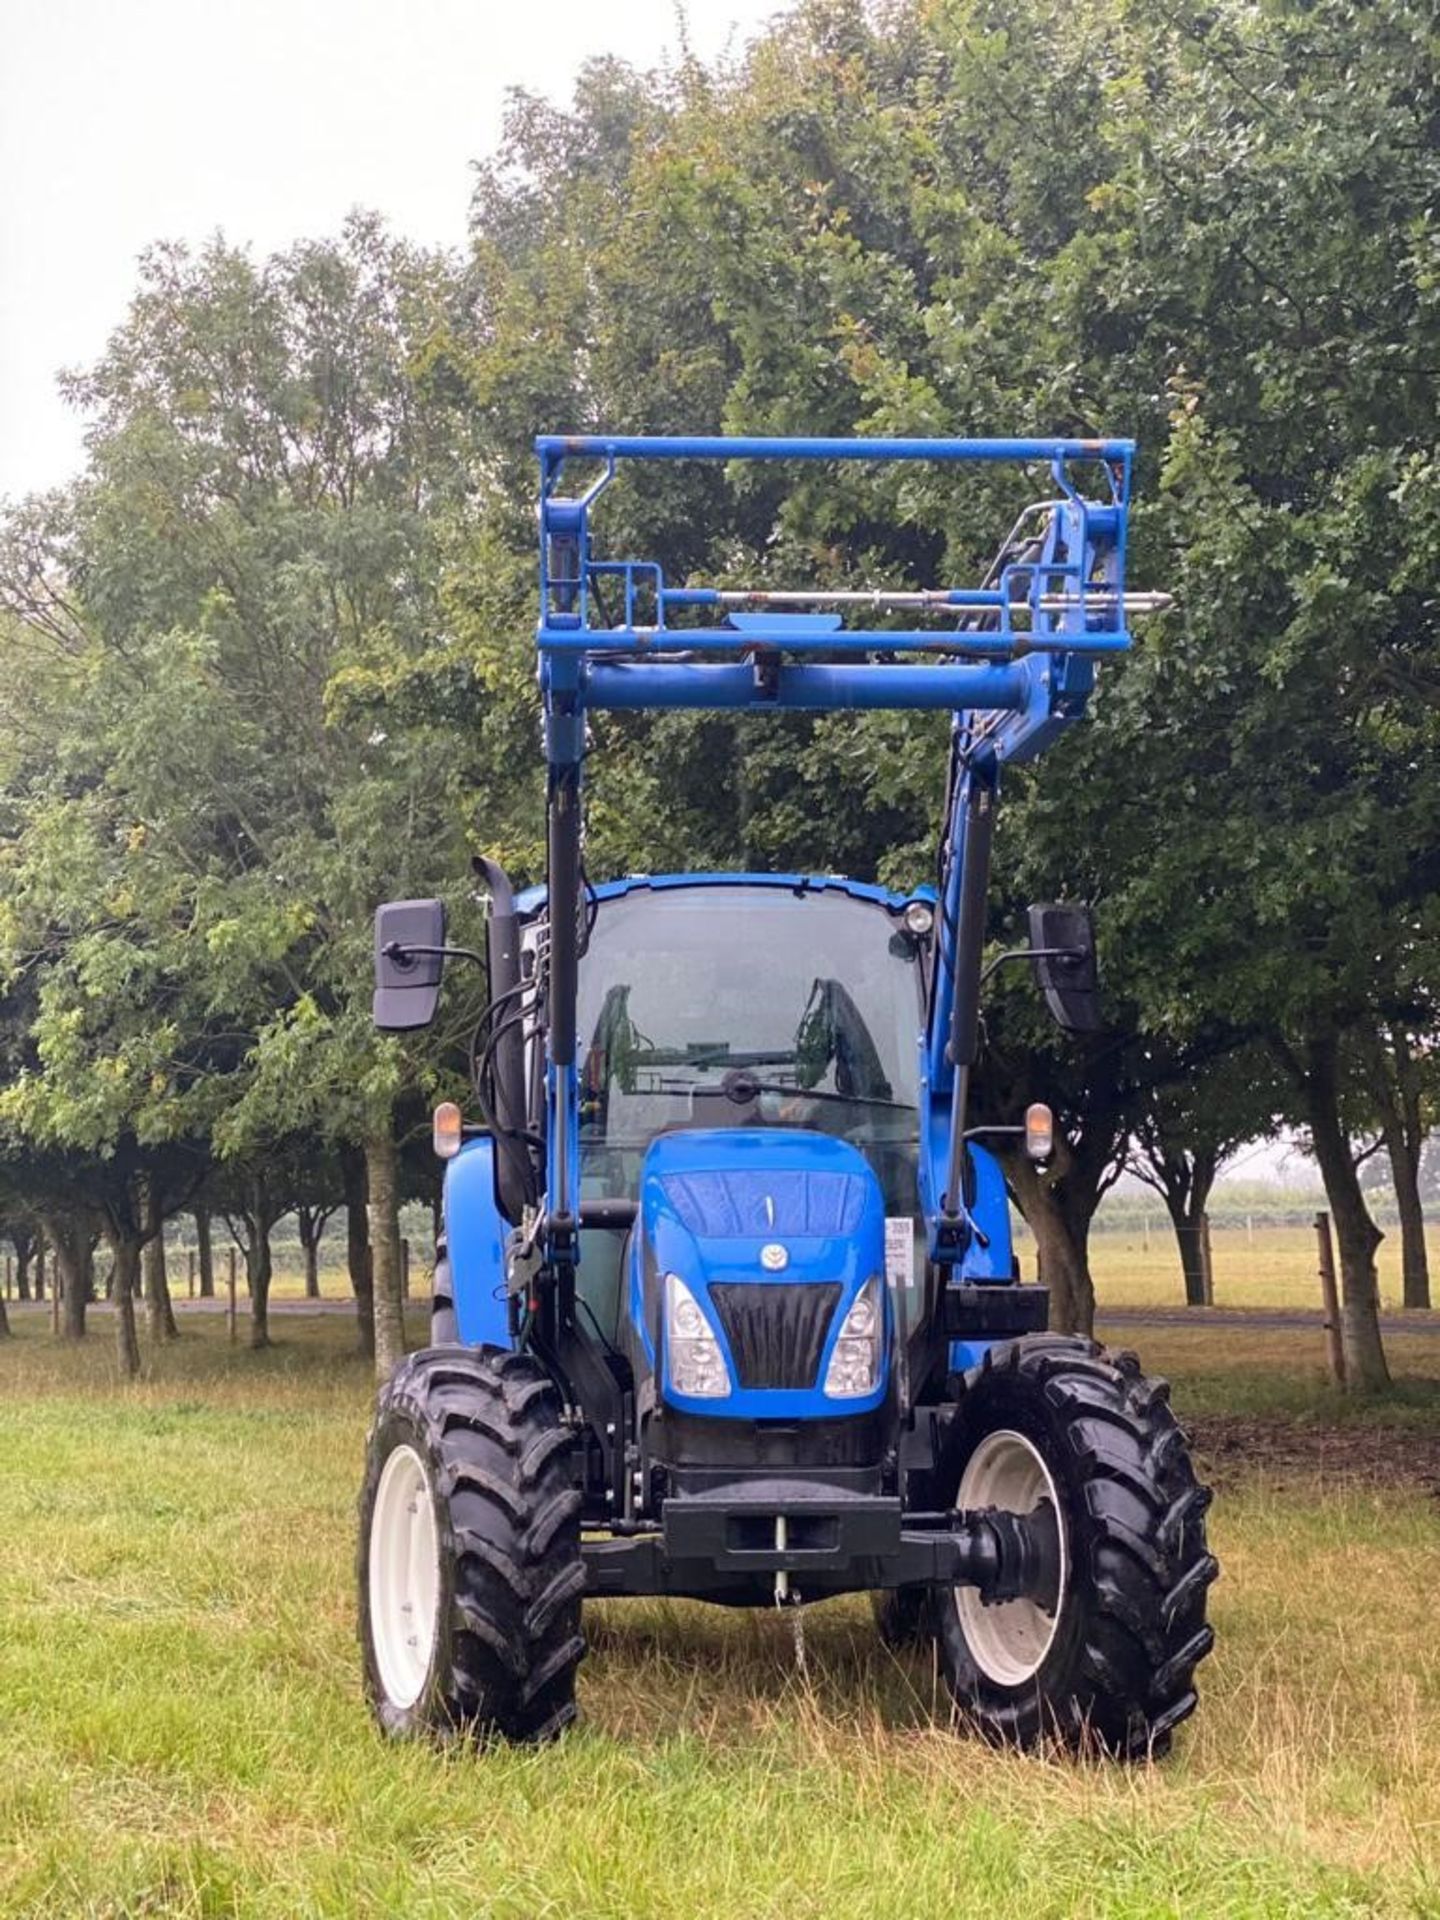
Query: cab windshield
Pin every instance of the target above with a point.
(725, 1006)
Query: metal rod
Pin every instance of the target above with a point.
(885, 598)
(563, 895)
(1001, 645)
(969, 951)
(822, 687)
(676, 446)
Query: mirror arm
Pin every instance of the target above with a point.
(404, 955)
(1031, 953)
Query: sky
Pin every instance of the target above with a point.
(123, 122)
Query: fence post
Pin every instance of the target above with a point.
(1208, 1259)
(1145, 1224)
(1329, 1293)
(230, 1306)
(8, 1293)
(55, 1295)
(404, 1269)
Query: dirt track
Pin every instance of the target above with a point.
(1372, 1458)
(1259, 1319)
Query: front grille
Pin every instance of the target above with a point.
(776, 1333)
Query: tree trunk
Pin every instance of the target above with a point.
(79, 1295)
(159, 1313)
(1193, 1240)
(1065, 1269)
(1414, 1260)
(384, 1219)
(205, 1252)
(1062, 1237)
(309, 1225)
(1356, 1234)
(4, 1319)
(259, 1266)
(1397, 1090)
(74, 1268)
(24, 1243)
(39, 1266)
(357, 1246)
(127, 1273)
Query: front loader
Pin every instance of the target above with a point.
(726, 1305)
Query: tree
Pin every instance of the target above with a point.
(310, 1223)
(250, 573)
(1401, 1079)
(204, 1248)
(1191, 1123)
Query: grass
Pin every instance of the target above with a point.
(1274, 1267)
(1134, 1266)
(183, 1732)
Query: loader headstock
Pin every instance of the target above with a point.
(1011, 658)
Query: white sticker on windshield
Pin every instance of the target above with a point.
(900, 1250)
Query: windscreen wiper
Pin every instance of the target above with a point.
(742, 1087)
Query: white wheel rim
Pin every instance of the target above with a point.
(404, 1574)
(1009, 1642)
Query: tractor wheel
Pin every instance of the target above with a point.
(1060, 1420)
(469, 1564)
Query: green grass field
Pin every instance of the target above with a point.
(182, 1731)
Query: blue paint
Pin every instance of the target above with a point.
(1011, 658)
(820, 688)
(554, 448)
(966, 1355)
(703, 1213)
(475, 1233)
(1082, 564)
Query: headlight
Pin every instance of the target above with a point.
(697, 1366)
(855, 1364)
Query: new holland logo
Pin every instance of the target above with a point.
(774, 1258)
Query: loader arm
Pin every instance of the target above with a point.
(1012, 659)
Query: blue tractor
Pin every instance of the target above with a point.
(726, 1305)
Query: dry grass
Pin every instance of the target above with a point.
(1272, 1267)
(184, 1732)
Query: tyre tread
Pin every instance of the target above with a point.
(491, 1421)
(1144, 1570)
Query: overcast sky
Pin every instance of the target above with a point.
(127, 121)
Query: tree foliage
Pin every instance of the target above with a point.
(276, 639)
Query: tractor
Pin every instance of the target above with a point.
(725, 1303)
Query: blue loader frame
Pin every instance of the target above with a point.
(774, 1346)
(1012, 660)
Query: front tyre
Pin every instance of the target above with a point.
(1059, 1421)
(469, 1562)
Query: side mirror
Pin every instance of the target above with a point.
(1063, 942)
(409, 936)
